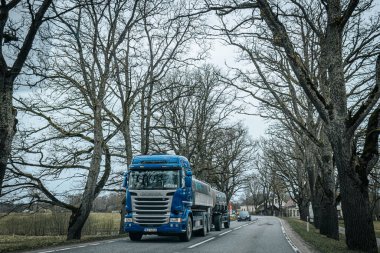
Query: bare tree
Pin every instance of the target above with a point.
(19, 46)
(345, 56)
(75, 77)
(232, 158)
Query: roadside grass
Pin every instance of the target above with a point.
(56, 224)
(21, 231)
(316, 240)
(10, 243)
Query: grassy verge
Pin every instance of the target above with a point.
(316, 240)
(17, 242)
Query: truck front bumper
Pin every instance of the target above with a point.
(169, 228)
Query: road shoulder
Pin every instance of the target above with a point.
(296, 239)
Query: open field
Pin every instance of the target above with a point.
(56, 224)
(18, 242)
(316, 240)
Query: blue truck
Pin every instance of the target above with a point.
(164, 198)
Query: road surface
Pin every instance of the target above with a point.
(262, 234)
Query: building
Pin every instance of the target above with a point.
(249, 208)
(291, 209)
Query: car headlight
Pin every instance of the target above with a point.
(175, 219)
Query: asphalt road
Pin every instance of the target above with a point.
(262, 234)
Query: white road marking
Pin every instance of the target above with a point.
(225, 232)
(94, 244)
(63, 249)
(294, 247)
(245, 225)
(46, 251)
(195, 245)
(238, 228)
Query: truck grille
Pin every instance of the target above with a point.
(151, 211)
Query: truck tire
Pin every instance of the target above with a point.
(227, 223)
(209, 222)
(185, 237)
(203, 231)
(135, 236)
(218, 222)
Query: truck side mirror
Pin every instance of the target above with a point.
(125, 181)
(188, 178)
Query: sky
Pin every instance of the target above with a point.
(222, 55)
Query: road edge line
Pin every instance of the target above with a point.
(294, 247)
(202, 242)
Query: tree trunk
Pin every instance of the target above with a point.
(329, 219)
(77, 220)
(357, 218)
(329, 215)
(358, 221)
(79, 217)
(359, 229)
(303, 207)
(316, 204)
(8, 123)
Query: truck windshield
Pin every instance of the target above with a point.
(154, 179)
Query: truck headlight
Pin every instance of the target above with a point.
(127, 220)
(175, 219)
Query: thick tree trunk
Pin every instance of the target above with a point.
(329, 219)
(7, 125)
(357, 217)
(77, 220)
(303, 207)
(329, 216)
(359, 229)
(316, 199)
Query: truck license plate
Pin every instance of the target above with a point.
(150, 229)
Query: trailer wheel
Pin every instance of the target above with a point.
(185, 237)
(209, 222)
(203, 231)
(218, 222)
(227, 223)
(135, 236)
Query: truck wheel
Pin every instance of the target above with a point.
(209, 223)
(218, 222)
(227, 224)
(135, 236)
(185, 237)
(203, 231)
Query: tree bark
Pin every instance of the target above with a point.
(316, 198)
(303, 207)
(8, 123)
(358, 221)
(329, 215)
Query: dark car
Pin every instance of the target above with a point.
(244, 215)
